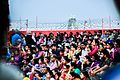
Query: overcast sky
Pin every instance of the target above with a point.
(61, 10)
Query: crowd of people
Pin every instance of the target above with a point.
(79, 56)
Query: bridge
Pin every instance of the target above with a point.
(96, 24)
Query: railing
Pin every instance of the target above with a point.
(98, 24)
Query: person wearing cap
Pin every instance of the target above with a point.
(77, 71)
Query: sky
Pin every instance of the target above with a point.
(53, 11)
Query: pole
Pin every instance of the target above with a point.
(20, 24)
(90, 22)
(36, 21)
(110, 22)
(26, 25)
(102, 26)
(85, 24)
